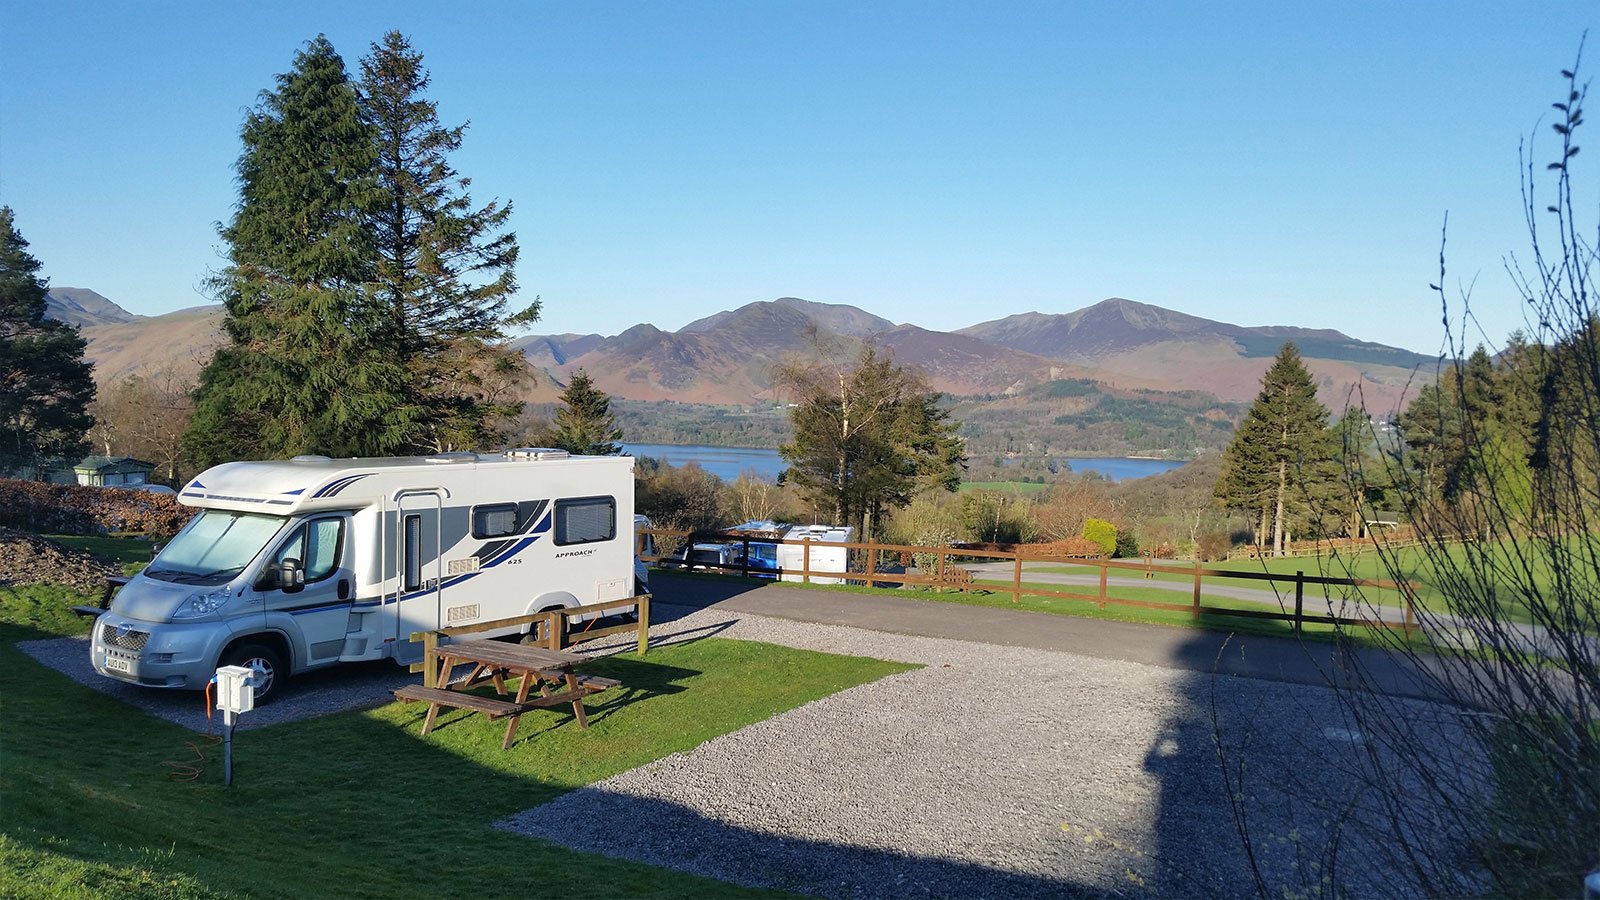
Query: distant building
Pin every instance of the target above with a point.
(113, 471)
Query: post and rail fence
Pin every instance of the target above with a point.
(549, 629)
(948, 574)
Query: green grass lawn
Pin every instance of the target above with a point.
(131, 553)
(355, 804)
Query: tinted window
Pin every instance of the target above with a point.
(494, 521)
(586, 520)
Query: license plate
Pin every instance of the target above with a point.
(118, 665)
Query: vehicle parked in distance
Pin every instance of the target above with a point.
(299, 564)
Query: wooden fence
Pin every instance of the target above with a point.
(948, 573)
(548, 628)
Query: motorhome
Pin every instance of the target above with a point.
(781, 549)
(300, 564)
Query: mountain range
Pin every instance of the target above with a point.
(726, 358)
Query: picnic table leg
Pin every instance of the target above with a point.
(577, 701)
(499, 678)
(433, 713)
(522, 697)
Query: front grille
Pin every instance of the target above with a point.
(127, 640)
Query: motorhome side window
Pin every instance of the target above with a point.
(318, 545)
(412, 554)
(585, 520)
(495, 521)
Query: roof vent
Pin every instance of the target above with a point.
(459, 456)
(310, 458)
(536, 453)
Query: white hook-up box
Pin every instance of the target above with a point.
(236, 689)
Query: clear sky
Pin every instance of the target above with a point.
(936, 163)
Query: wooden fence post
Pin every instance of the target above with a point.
(644, 623)
(1103, 570)
(1016, 582)
(1197, 587)
(1299, 599)
(554, 629)
(872, 561)
(805, 560)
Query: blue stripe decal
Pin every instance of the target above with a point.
(295, 492)
(317, 609)
(338, 484)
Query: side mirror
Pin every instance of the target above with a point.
(291, 578)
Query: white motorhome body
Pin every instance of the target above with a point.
(298, 564)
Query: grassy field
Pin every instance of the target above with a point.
(1013, 487)
(131, 553)
(355, 804)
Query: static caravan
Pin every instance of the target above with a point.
(300, 564)
(826, 552)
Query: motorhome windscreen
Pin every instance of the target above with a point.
(215, 544)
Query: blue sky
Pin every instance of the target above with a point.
(937, 163)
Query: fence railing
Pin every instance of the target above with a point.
(948, 573)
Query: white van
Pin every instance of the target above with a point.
(300, 564)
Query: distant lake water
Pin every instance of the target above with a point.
(728, 463)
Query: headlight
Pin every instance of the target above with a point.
(201, 604)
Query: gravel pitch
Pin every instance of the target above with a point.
(990, 772)
(356, 686)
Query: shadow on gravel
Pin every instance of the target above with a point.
(677, 837)
(1263, 783)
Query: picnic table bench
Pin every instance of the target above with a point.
(498, 662)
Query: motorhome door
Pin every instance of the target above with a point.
(420, 569)
(319, 607)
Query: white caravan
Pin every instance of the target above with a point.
(299, 564)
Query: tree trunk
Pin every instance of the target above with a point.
(1277, 519)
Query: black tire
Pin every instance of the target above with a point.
(565, 630)
(268, 665)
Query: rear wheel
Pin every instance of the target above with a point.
(266, 665)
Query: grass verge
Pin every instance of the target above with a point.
(355, 804)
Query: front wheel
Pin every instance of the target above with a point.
(265, 664)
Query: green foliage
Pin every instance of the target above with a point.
(1102, 533)
(1127, 546)
(45, 384)
(1281, 465)
(869, 436)
(584, 423)
(1071, 387)
(365, 293)
(445, 269)
(308, 367)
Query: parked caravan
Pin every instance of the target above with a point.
(825, 554)
(781, 548)
(300, 564)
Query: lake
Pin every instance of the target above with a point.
(728, 463)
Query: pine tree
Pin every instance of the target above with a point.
(45, 384)
(307, 367)
(1282, 461)
(584, 423)
(445, 269)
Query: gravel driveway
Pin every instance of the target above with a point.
(992, 771)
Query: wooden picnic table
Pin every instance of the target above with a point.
(497, 662)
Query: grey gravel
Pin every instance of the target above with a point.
(340, 688)
(992, 771)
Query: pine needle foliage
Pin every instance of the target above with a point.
(584, 423)
(445, 269)
(45, 384)
(307, 367)
(1282, 465)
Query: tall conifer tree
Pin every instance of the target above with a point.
(445, 269)
(584, 423)
(1282, 463)
(307, 367)
(45, 384)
